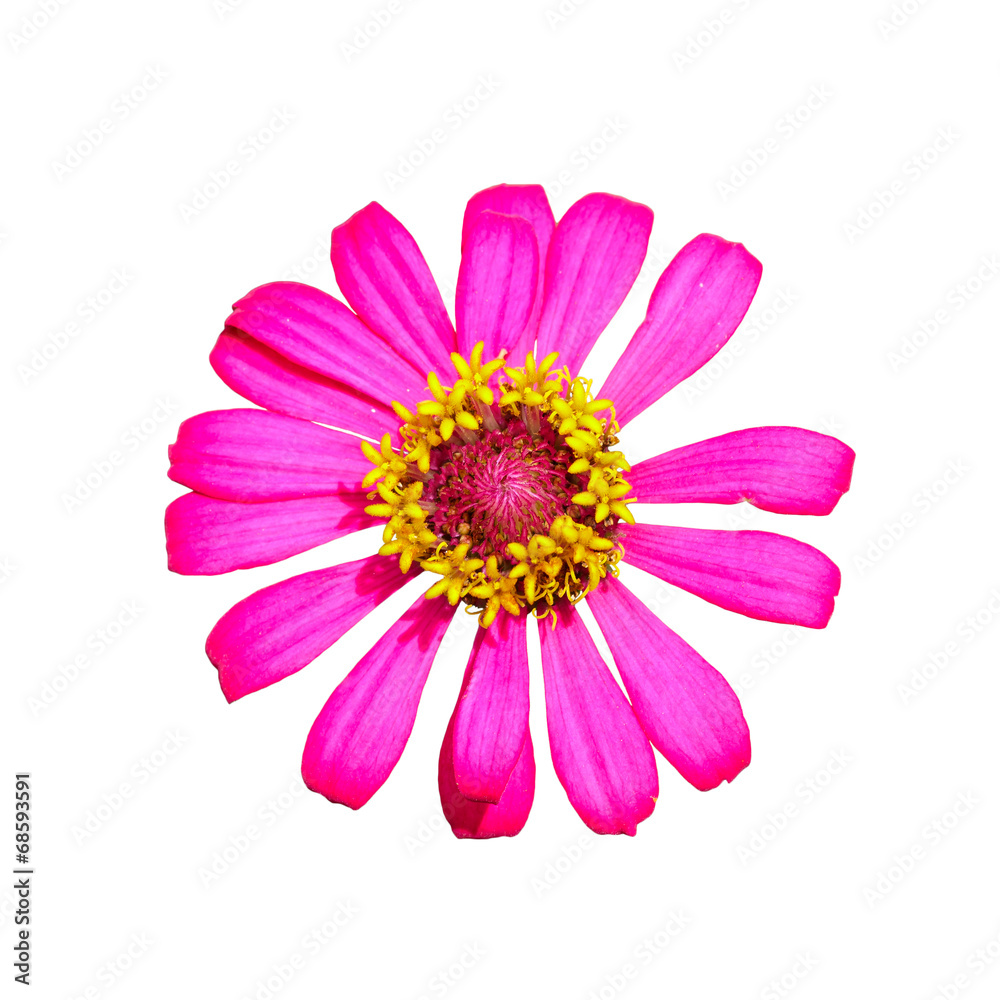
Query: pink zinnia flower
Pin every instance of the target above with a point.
(498, 472)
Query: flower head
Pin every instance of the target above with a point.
(513, 497)
(496, 472)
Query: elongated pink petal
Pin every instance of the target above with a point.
(787, 470)
(314, 330)
(359, 736)
(600, 753)
(755, 573)
(255, 455)
(266, 378)
(695, 308)
(529, 202)
(687, 708)
(384, 277)
(491, 717)
(496, 286)
(280, 629)
(595, 256)
(483, 820)
(207, 536)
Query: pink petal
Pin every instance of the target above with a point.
(497, 282)
(207, 536)
(266, 378)
(314, 330)
(600, 753)
(595, 257)
(695, 308)
(359, 736)
(278, 630)
(687, 708)
(756, 573)
(491, 717)
(482, 820)
(783, 469)
(384, 277)
(529, 202)
(259, 455)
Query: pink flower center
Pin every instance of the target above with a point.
(507, 485)
(503, 486)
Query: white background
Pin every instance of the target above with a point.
(924, 494)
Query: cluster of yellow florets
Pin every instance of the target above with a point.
(571, 553)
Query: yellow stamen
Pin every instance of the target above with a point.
(566, 561)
